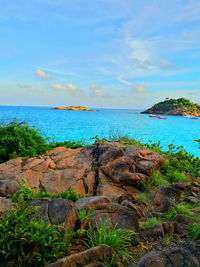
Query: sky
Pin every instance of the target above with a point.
(99, 53)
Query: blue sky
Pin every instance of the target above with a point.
(99, 53)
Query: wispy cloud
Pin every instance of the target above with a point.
(61, 87)
(41, 74)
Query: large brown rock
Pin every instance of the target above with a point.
(5, 204)
(186, 254)
(115, 214)
(88, 256)
(109, 169)
(8, 187)
(57, 211)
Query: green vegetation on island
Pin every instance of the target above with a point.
(180, 106)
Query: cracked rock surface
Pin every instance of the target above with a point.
(110, 169)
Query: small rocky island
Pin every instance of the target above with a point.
(179, 107)
(74, 108)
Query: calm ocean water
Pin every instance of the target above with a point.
(78, 125)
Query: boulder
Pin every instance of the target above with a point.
(115, 214)
(8, 187)
(183, 254)
(57, 211)
(63, 211)
(91, 202)
(5, 204)
(86, 257)
(109, 169)
(166, 191)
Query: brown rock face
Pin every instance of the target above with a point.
(109, 169)
(182, 255)
(57, 211)
(88, 256)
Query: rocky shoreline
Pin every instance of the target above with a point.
(113, 175)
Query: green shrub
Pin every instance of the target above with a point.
(68, 144)
(27, 194)
(151, 222)
(27, 241)
(176, 176)
(195, 231)
(116, 238)
(179, 209)
(157, 179)
(19, 140)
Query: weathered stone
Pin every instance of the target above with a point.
(183, 223)
(184, 254)
(5, 204)
(182, 186)
(116, 214)
(138, 212)
(166, 191)
(42, 212)
(88, 256)
(154, 231)
(165, 205)
(63, 211)
(130, 197)
(8, 187)
(110, 169)
(154, 259)
(169, 227)
(91, 202)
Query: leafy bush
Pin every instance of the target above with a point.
(27, 241)
(19, 140)
(116, 238)
(151, 222)
(27, 194)
(195, 231)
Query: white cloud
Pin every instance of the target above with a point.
(96, 90)
(61, 87)
(41, 74)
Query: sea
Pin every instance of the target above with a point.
(62, 125)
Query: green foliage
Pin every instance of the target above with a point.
(84, 214)
(19, 140)
(157, 179)
(116, 238)
(25, 240)
(68, 144)
(179, 209)
(142, 198)
(27, 194)
(176, 104)
(195, 231)
(151, 222)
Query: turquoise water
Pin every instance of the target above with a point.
(64, 125)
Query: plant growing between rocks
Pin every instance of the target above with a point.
(116, 238)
